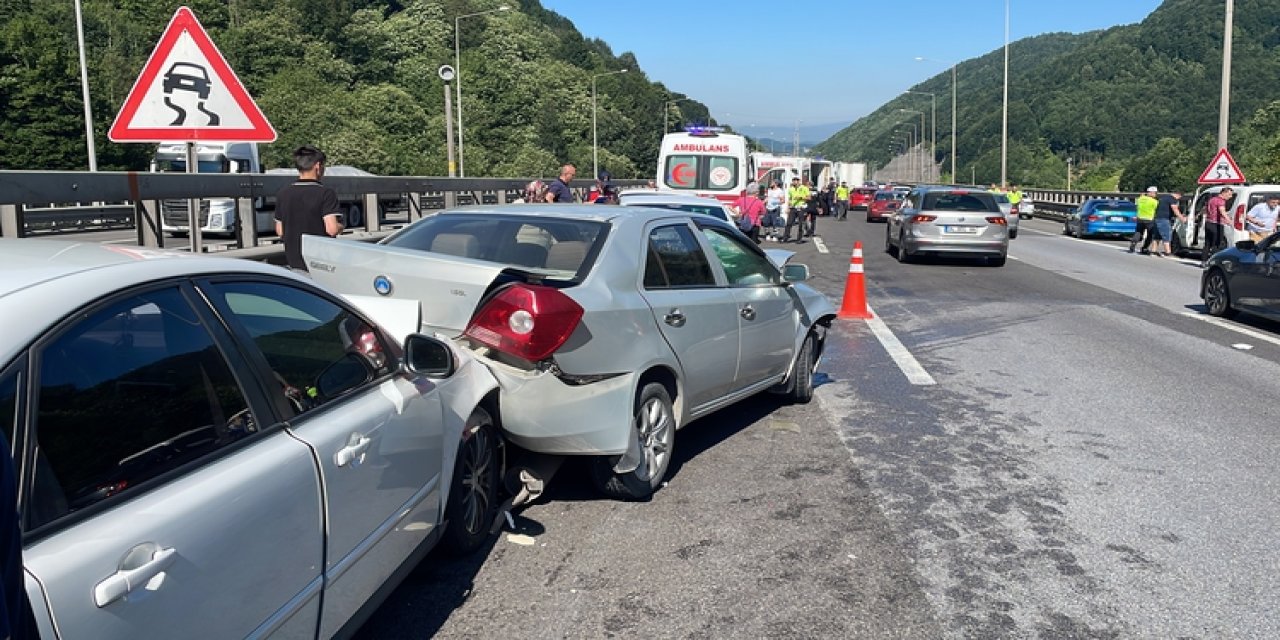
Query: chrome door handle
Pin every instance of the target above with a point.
(748, 313)
(122, 582)
(356, 447)
(674, 318)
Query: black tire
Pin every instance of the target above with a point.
(354, 217)
(1175, 245)
(1013, 234)
(1217, 295)
(655, 424)
(997, 262)
(903, 257)
(473, 496)
(801, 388)
(1066, 230)
(888, 245)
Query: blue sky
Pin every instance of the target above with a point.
(742, 58)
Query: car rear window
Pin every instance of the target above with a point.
(890, 195)
(959, 201)
(532, 242)
(1118, 206)
(713, 210)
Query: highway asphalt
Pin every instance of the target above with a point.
(1095, 460)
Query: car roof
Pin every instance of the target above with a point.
(666, 196)
(48, 279)
(594, 212)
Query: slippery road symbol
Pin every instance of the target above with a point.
(193, 78)
(1224, 171)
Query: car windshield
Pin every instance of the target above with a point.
(562, 245)
(959, 201)
(713, 210)
(890, 195)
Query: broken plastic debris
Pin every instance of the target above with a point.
(521, 539)
(1242, 346)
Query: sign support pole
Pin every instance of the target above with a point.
(193, 205)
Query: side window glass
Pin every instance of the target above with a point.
(681, 172)
(130, 392)
(9, 405)
(742, 266)
(316, 349)
(675, 259)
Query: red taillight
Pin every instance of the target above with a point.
(1001, 220)
(1239, 218)
(526, 320)
(917, 219)
(1093, 218)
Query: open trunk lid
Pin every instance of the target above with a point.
(448, 288)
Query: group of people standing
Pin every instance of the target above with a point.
(796, 207)
(1155, 221)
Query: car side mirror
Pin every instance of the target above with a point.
(795, 272)
(1246, 245)
(428, 356)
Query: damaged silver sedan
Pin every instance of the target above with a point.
(607, 328)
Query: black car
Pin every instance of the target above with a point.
(1246, 278)
(185, 76)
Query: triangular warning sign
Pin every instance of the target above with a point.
(188, 92)
(1223, 170)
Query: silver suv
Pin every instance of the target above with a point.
(948, 221)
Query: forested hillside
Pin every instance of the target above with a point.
(1133, 105)
(355, 77)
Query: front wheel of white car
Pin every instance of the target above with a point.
(801, 389)
(473, 496)
(654, 425)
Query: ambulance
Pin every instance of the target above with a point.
(783, 168)
(705, 161)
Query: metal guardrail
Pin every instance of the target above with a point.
(30, 201)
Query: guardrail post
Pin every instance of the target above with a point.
(247, 219)
(502, 196)
(146, 219)
(10, 221)
(415, 206)
(450, 199)
(372, 213)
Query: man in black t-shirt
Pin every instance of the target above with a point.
(559, 190)
(306, 207)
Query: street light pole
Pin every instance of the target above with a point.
(457, 68)
(84, 90)
(595, 143)
(920, 153)
(666, 111)
(1069, 161)
(933, 131)
(1224, 104)
(1004, 111)
(448, 74)
(953, 116)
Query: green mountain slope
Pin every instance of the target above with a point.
(1106, 99)
(355, 77)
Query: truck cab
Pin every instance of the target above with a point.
(217, 215)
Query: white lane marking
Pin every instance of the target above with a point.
(1013, 257)
(822, 246)
(1242, 346)
(901, 355)
(1233, 327)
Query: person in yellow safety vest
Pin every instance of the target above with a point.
(1147, 204)
(842, 201)
(797, 198)
(1015, 197)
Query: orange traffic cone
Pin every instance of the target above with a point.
(854, 304)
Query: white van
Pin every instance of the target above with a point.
(705, 162)
(1189, 236)
(217, 215)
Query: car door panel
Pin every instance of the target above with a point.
(377, 433)
(247, 541)
(696, 314)
(380, 454)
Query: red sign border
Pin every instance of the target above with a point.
(184, 20)
(1222, 153)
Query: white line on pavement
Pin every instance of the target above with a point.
(1256, 335)
(822, 246)
(901, 356)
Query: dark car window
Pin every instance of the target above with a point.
(675, 259)
(960, 201)
(1115, 205)
(9, 404)
(742, 266)
(128, 393)
(713, 210)
(307, 341)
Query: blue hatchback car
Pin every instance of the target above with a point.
(1102, 217)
